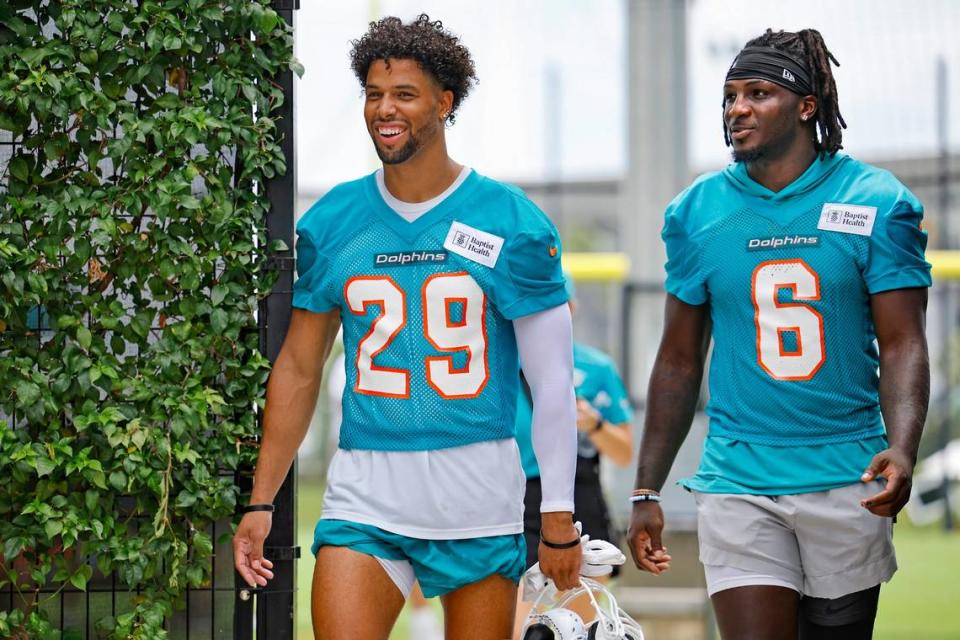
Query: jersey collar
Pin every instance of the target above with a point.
(818, 171)
(410, 230)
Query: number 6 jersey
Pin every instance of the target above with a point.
(788, 277)
(426, 306)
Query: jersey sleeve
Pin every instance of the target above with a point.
(897, 246)
(684, 277)
(312, 290)
(618, 410)
(528, 276)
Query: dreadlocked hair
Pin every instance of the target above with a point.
(437, 51)
(807, 46)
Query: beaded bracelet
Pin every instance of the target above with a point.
(644, 495)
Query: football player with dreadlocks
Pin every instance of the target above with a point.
(807, 269)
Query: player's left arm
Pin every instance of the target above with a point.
(899, 318)
(545, 343)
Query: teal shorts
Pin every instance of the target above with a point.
(440, 566)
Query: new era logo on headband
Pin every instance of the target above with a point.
(773, 65)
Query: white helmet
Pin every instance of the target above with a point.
(558, 622)
(555, 624)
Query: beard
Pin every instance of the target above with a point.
(749, 155)
(402, 154)
(767, 151)
(413, 144)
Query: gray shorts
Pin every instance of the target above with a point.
(821, 544)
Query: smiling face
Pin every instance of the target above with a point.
(404, 109)
(764, 119)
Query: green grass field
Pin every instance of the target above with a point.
(921, 603)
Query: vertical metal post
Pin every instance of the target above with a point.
(626, 335)
(275, 614)
(657, 166)
(946, 298)
(242, 601)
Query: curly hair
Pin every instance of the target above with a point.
(437, 51)
(808, 45)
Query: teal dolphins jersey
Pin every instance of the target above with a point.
(788, 277)
(427, 308)
(595, 380)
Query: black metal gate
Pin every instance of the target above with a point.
(269, 612)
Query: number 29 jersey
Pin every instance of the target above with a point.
(788, 276)
(427, 308)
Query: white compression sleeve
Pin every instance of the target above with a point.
(545, 343)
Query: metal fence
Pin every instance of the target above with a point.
(226, 608)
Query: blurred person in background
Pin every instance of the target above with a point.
(603, 430)
(444, 281)
(807, 269)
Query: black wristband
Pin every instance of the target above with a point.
(257, 507)
(558, 545)
(599, 424)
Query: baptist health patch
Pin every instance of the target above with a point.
(473, 244)
(847, 218)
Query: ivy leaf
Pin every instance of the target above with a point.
(219, 321)
(44, 466)
(218, 294)
(118, 480)
(91, 499)
(186, 499)
(115, 22)
(138, 438)
(84, 337)
(195, 575)
(81, 577)
(13, 547)
(277, 245)
(27, 392)
(19, 168)
(153, 39)
(52, 528)
(96, 477)
(34, 56)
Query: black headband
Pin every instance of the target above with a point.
(774, 65)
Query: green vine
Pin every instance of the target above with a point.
(132, 253)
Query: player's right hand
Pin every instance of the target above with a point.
(248, 548)
(643, 537)
(895, 467)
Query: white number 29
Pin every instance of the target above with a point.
(465, 335)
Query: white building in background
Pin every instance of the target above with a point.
(551, 102)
